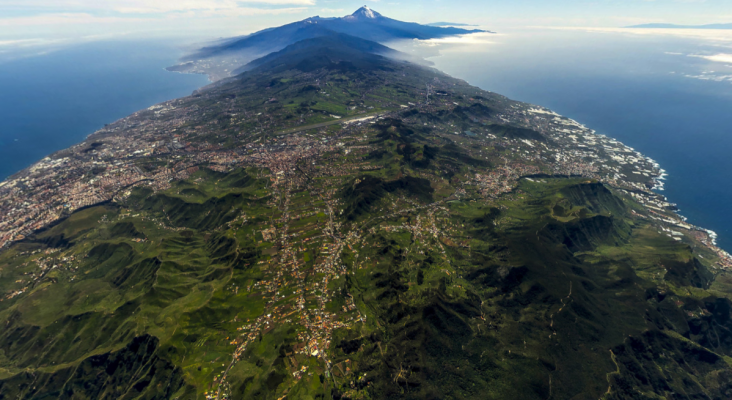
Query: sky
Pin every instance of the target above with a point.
(30, 23)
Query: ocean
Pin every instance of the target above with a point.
(51, 101)
(665, 95)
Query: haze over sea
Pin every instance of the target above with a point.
(655, 93)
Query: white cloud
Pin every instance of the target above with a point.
(332, 10)
(75, 18)
(165, 6)
(21, 42)
(711, 77)
(139, 16)
(59, 19)
(247, 11)
(64, 28)
(142, 6)
(469, 39)
(718, 35)
(723, 58)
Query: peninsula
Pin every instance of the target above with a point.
(339, 222)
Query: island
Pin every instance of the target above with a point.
(336, 223)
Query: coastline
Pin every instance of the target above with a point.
(650, 178)
(55, 100)
(658, 181)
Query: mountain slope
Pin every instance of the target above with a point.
(364, 23)
(310, 54)
(357, 228)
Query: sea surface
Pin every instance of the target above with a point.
(662, 94)
(51, 101)
(667, 96)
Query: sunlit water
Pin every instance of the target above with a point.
(52, 101)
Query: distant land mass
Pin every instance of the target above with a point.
(674, 26)
(225, 57)
(338, 223)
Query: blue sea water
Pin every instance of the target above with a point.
(52, 101)
(653, 92)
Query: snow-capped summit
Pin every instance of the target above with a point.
(366, 12)
(365, 23)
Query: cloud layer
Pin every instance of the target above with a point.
(723, 58)
(144, 6)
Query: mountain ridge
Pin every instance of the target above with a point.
(337, 47)
(228, 55)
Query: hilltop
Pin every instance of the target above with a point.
(340, 223)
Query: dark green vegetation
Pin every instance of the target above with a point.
(536, 308)
(362, 262)
(337, 52)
